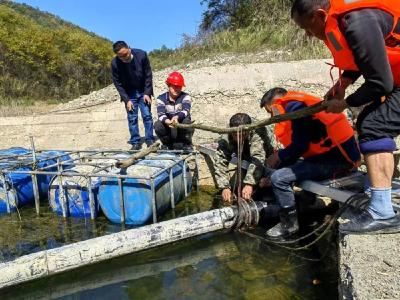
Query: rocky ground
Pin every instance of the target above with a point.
(370, 266)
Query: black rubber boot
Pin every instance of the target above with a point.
(136, 147)
(287, 226)
(361, 222)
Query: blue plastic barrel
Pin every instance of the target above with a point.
(76, 193)
(19, 187)
(14, 151)
(137, 192)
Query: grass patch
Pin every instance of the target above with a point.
(286, 38)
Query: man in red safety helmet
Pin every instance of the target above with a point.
(174, 106)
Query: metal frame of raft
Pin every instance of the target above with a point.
(79, 156)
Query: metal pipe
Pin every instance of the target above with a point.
(5, 187)
(184, 178)
(61, 192)
(36, 193)
(33, 149)
(121, 201)
(91, 174)
(153, 200)
(197, 171)
(91, 198)
(69, 257)
(176, 162)
(171, 188)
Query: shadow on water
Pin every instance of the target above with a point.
(213, 266)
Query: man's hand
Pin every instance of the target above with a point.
(265, 182)
(227, 195)
(129, 105)
(175, 120)
(335, 105)
(339, 89)
(247, 192)
(273, 160)
(147, 99)
(168, 122)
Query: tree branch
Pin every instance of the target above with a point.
(301, 113)
(131, 160)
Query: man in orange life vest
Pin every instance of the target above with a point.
(364, 39)
(325, 142)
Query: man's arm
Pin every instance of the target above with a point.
(365, 32)
(117, 82)
(186, 106)
(221, 162)
(148, 76)
(257, 158)
(161, 111)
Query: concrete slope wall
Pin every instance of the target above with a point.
(218, 92)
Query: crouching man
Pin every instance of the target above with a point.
(174, 106)
(325, 141)
(256, 146)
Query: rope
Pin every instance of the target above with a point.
(327, 224)
(240, 143)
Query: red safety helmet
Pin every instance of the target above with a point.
(175, 78)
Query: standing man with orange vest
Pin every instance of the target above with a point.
(325, 142)
(364, 38)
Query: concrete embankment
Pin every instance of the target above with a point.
(369, 266)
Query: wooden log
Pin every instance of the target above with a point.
(131, 160)
(54, 261)
(301, 113)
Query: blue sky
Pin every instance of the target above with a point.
(145, 24)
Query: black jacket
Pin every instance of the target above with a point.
(132, 76)
(365, 31)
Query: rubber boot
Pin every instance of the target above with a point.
(287, 226)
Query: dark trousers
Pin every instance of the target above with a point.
(380, 120)
(168, 135)
(283, 179)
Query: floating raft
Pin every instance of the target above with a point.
(16, 185)
(156, 183)
(131, 196)
(75, 192)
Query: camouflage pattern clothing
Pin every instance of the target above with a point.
(397, 159)
(259, 145)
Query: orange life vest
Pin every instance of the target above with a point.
(337, 43)
(338, 127)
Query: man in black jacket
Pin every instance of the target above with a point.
(132, 76)
(361, 36)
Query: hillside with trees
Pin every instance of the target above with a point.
(45, 58)
(242, 26)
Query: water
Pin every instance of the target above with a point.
(213, 266)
